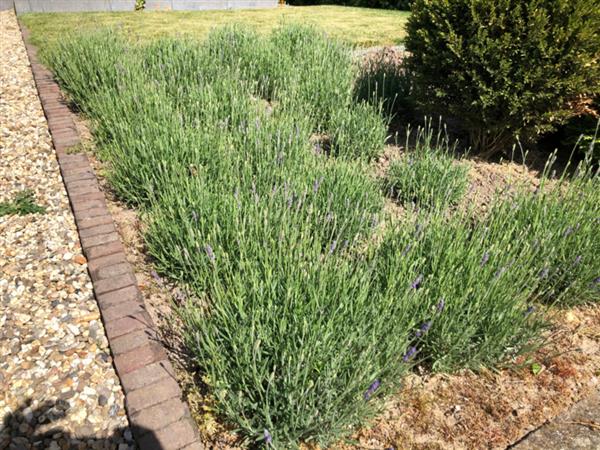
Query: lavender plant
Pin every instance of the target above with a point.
(303, 311)
(428, 173)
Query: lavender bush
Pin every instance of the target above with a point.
(248, 160)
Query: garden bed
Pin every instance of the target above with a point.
(302, 302)
(470, 410)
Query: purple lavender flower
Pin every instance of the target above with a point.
(544, 272)
(529, 310)
(406, 250)
(424, 328)
(568, 231)
(209, 252)
(577, 260)
(267, 437)
(596, 280)
(409, 354)
(156, 276)
(369, 392)
(374, 221)
(317, 184)
(332, 247)
(441, 305)
(484, 259)
(417, 283)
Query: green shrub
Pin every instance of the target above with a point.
(382, 4)
(427, 174)
(582, 132)
(498, 273)
(503, 68)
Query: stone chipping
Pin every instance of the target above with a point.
(58, 387)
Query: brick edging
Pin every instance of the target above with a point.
(157, 415)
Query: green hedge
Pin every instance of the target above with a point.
(380, 4)
(505, 68)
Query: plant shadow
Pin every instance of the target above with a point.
(29, 427)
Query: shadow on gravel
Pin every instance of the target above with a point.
(32, 428)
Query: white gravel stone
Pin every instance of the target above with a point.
(47, 358)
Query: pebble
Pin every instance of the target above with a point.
(48, 353)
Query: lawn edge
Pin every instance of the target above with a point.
(158, 416)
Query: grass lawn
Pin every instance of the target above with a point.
(362, 27)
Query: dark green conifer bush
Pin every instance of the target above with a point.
(504, 67)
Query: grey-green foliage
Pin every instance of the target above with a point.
(300, 319)
(428, 174)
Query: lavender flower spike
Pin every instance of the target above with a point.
(209, 252)
(544, 272)
(577, 260)
(156, 276)
(417, 283)
(424, 328)
(484, 259)
(369, 392)
(409, 354)
(333, 246)
(597, 280)
(317, 184)
(268, 438)
(440, 306)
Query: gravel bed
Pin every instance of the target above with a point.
(58, 388)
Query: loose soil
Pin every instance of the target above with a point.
(467, 410)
